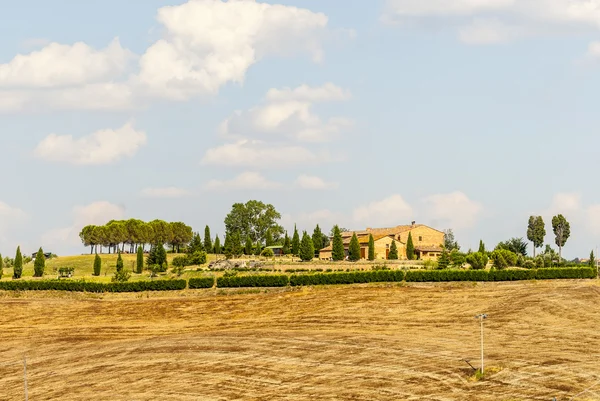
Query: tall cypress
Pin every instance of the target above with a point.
(410, 248)
(249, 246)
(18, 265)
(481, 246)
(39, 264)
(393, 255)
(217, 246)
(337, 252)
(354, 249)
(295, 242)
(98, 263)
(317, 238)
(119, 263)
(208, 246)
(307, 248)
(139, 265)
(268, 238)
(286, 245)
(371, 247)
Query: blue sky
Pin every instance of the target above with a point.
(469, 115)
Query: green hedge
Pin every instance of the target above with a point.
(202, 282)
(81, 286)
(376, 276)
(253, 281)
(498, 275)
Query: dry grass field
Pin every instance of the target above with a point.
(372, 342)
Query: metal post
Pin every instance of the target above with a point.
(25, 377)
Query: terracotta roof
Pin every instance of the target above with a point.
(428, 249)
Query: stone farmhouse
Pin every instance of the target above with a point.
(427, 241)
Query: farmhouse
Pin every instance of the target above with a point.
(426, 240)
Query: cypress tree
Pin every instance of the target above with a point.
(119, 263)
(337, 252)
(98, 264)
(18, 265)
(317, 238)
(268, 238)
(40, 264)
(393, 255)
(233, 246)
(208, 246)
(371, 247)
(295, 242)
(591, 262)
(249, 246)
(410, 248)
(140, 261)
(307, 248)
(481, 246)
(444, 260)
(286, 244)
(258, 248)
(196, 244)
(354, 249)
(217, 246)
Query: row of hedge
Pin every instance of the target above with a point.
(376, 276)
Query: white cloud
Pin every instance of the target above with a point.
(258, 154)
(288, 113)
(496, 21)
(11, 224)
(312, 182)
(387, 212)
(455, 210)
(211, 42)
(247, 180)
(98, 213)
(165, 192)
(594, 50)
(58, 65)
(101, 147)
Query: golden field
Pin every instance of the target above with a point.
(360, 342)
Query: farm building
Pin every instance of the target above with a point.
(277, 249)
(426, 240)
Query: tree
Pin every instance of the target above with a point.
(477, 260)
(393, 255)
(286, 244)
(268, 238)
(295, 242)
(444, 260)
(410, 247)
(98, 264)
(157, 257)
(249, 247)
(1, 266)
(208, 246)
(139, 264)
(449, 242)
(458, 259)
(233, 245)
(217, 247)
(18, 265)
(536, 232)
(181, 234)
(195, 245)
(562, 231)
(317, 238)
(503, 258)
(254, 218)
(592, 261)
(337, 252)
(371, 247)
(354, 249)
(39, 264)
(515, 245)
(481, 246)
(119, 263)
(307, 248)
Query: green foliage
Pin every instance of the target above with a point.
(157, 256)
(515, 245)
(201, 282)
(178, 270)
(371, 247)
(196, 259)
(481, 247)
(374, 276)
(503, 258)
(287, 245)
(119, 263)
(295, 242)
(410, 248)
(268, 253)
(539, 262)
(139, 265)
(40, 264)
(562, 232)
(529, 264)
(87, 286)
(444, 261)
(307, 248)
(449, 241)
(98, 265)
(208, 246)
(354, 249)
(254, 218)
(457, 259)
(536, 231)
(338, 253)
(258, 249)
(592, 261)
(249, 246)
(121, 276)
(233, 245)
(317, 239)
(393, 255)
(66, 272)
(1, 267)
(269, 238)
(18, 265)
(217, 247)
(179, 261)
(195, 245)
(253, 281)
(477, 260)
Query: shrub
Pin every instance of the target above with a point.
(180, 261)
(97, 265)
(80, 286)
(120, 263)
(504, 258)
(121, 276)
(197, 258)
(393, 255)
(1, 266)
(268, 253)
(430, 264)
(348, 277)
(457, 259)
(477, 260)
(178, 270)
(201, 282)
(529, 264)
(18, 266)
(444, 260)
(540, 262)
(253, 281)
(40, 264)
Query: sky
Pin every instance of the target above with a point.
(471, 115)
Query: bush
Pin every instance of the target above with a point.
(253, 281)
(457, 259)
(121, 276)
(197, 258)
(503, 258)
(201, 282)
(374, 276)
(40, 264)
(83, 286)
(529, 264)
(180, 261)
(178, 270)
(540, 262)
(97, 265)
(477, 260)
(268, 253)
(18, 266)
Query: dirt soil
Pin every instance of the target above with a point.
(328, 343)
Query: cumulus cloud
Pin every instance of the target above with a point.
(247, 180)
(258, 154)
(496, 21)
(11, 219)
(164, 192)
(312, 182)
(387, 212)
(211, 42)
(101, 147)
(454, 210)
(287, 113)
(594, 50)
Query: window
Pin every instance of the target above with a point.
(420, 238)
(387, 246)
